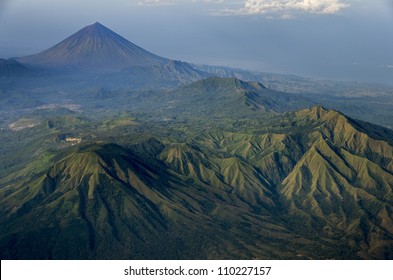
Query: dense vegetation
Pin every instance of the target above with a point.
(308, 184)
(123, 154)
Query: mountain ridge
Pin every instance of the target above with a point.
(289, 191)
(234, 94)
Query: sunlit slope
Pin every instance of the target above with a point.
(342, 186)
(103, 202)
(308, 184)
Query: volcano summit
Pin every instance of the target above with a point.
(94, 47)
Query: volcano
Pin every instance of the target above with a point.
(94, 47)
(96, 50)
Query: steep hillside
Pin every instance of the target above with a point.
(309, 184)
(99, 199)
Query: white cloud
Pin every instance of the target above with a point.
(288, 7)
(270, 8)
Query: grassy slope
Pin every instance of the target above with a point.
(279, 188)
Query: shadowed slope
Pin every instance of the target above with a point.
(12, 68)
(99, 198)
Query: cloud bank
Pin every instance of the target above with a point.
(288, 7)
(280, 8)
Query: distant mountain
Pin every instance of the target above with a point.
(97, 56)
(363, 101)
(94, 47)
(318, 185)
(216, 96)
(12, 68)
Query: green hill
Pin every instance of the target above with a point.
(318, 186)
(217, 97)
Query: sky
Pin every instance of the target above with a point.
(323, 39)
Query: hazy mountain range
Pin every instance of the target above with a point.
(96, 57)
(111, 152)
